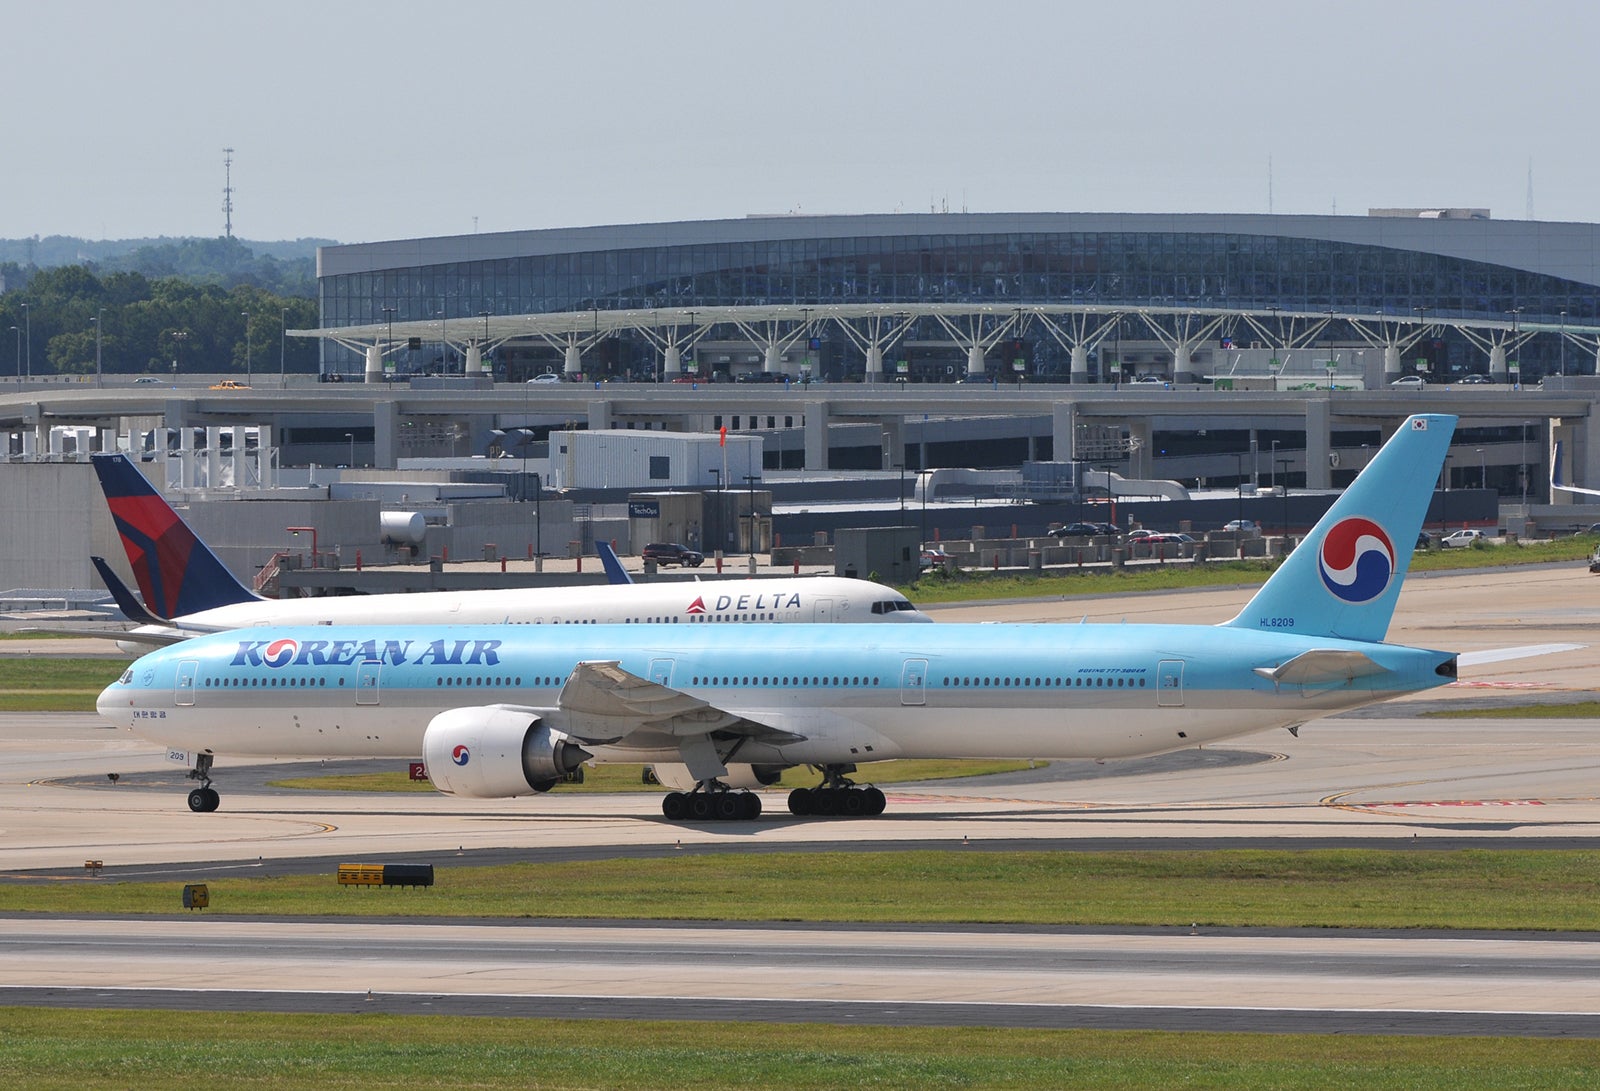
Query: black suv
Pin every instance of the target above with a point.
(664, 553)
(1078, 530)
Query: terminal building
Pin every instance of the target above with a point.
(1444, 292)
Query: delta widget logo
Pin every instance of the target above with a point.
(698, 606)
(280, 653)
(461, 755)
(1356, 560)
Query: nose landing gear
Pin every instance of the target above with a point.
(204, 799)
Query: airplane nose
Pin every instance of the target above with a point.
(113, 703)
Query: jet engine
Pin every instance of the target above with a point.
(739, 776)
(495, 753)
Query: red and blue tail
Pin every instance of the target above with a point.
(175, 571)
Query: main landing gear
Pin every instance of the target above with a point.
(711, 802)
(203, 799)
(837, 796)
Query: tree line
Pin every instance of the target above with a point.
(149, 326)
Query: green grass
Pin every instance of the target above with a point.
(1576, 710)
(968, 585)
(1474, 889)
(629, 778)
(39, 683)
(50, 1049)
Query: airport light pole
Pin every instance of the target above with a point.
(179, 336)
(1284, 463)
(249, 374)
(1239, 493)
(1483, 470)
(283, 353)
(27, 322)
(18, 331)
(98, 321)
(351, 436)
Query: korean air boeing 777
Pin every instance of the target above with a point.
(499, 711)
(188, 591)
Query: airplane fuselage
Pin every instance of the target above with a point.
(854, 694)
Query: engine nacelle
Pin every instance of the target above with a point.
(496, 753)
(744, 775)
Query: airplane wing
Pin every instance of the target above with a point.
(615, 573)
(156, 637)
(603, 702)
(131, 607)
(1321, 667)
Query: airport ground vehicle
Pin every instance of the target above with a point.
(668, 553)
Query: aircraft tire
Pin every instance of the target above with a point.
(728, 807)
(701, 806)
(749, 807)
(800, 801)
(825, 801)
(674, 806)
(852, 802)
(875, 802)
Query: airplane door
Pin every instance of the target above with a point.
(822, 610)
(913, 682)
(183, 690)
(367, 689)
(661, 671)
(1169, 683)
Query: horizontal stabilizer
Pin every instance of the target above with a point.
(1321, 667)
(1501, 655)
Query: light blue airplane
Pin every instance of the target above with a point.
(498, 711)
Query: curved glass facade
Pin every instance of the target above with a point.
(1115, 268)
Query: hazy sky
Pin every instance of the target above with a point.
(369, 121)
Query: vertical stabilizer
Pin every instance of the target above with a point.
(176, 573)
(1344, 578)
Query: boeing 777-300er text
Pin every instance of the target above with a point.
(496, 711)
(188, 591)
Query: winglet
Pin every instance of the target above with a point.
(1343, 580)
(177, 574)
(1555, 475)
(131, 608)
(615, 573)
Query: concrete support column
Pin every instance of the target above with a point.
(1080, 364)
(672, 365)
(1392, 365)
(1319, 442)
(1497, 363)
(874, 364)
(772, 361)
(975, 366)
(374, 372)
(574, 361)
(474, 364)
(1142, 459)
(817, 436)
(894, 442)
(1064, 430)
(599, 415)
(386, 435)
(1182, 365)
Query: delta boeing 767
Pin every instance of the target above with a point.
(497, 711)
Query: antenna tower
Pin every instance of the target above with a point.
(1530, 187)
(227, 191)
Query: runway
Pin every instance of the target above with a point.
(1382, 778)
(1201, 979)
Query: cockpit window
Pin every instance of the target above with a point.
(127, 676)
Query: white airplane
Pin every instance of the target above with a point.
(1555, 476)
(188, 591)
(496, 711)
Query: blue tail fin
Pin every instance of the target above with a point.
(1344, 578)
(176, 573)
(615, 573)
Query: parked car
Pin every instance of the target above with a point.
(1140, 534)
(1242, 526)
(1410, 381)
(932, 558)
(229, 384)
(1078, 530)
(1169, 539)
(1460, 539)
(1424, 540)
(667, 553)
(547, 377)
(1474, 380)
(145, 380)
